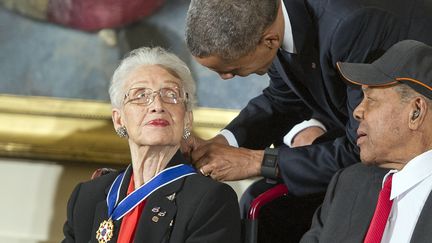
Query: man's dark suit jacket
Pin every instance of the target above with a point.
(203, 211)
(349, 206)
(307, 84)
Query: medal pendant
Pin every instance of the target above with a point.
(105, 231)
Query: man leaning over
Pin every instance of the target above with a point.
(297, 43)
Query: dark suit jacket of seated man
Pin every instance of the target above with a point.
(297, 43)
(395, 138)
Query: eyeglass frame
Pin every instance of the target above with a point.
(153, 94)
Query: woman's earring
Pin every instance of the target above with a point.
(186, 133)
(122, 132)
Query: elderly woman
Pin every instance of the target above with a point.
(159, 197)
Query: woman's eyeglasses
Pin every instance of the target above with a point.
(146, 96)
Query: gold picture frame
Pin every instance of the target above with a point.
(48, 128)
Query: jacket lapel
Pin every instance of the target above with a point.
(302, 69)
(306, 66)
(293, 75)
(101, 212)
(159, 211)
(158, 216)
(365, 205)
(301, 23)
(422, 232)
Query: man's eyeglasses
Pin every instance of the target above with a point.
(146, 96)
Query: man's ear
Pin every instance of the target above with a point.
(116, 118)
(419, 108)
(271, 39)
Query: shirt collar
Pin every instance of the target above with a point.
(415, 171)
(288, 41)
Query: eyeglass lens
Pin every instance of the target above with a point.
(146, 96)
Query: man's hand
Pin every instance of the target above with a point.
(190, 144)
(225, 163)
(194, 142)
(307, 136)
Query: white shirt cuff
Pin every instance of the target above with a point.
(232, 141)
(300, 127)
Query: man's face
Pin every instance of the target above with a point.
(258, 61)
(383, 126)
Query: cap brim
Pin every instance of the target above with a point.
(363, 74)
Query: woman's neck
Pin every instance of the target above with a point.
(148, 161)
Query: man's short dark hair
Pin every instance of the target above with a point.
(227, 28)
(407, 93)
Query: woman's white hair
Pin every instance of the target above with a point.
(151, 56)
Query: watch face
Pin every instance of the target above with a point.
(269, 164)
(270, 161)
(270, 157)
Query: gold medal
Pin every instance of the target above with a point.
(105, 231)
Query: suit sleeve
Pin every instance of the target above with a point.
(216, 218)
(320, 216)
(362, 36)
(68, 228)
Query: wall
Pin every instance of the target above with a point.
(34, 198)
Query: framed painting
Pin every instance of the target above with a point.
(75, 130)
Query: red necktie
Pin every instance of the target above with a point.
(382, 211)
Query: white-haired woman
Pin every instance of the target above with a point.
(159, 197)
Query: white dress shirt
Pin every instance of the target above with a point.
(289, 137)
(288, 41)
(410, 188)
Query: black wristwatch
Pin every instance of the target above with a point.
(269, 164)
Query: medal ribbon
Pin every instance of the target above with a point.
(168, 175)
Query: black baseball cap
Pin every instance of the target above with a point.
(407, 61)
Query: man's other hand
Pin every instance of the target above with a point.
(307, 136)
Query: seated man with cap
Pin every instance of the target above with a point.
(387, 197)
